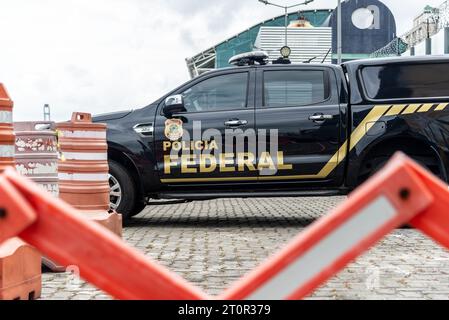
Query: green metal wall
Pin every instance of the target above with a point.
(244, 42)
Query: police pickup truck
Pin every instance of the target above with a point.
(265, 130)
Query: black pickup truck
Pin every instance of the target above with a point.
(265, 130)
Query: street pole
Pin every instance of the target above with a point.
(266, 2)
(428, 39)
(286, 26)
(339, 34)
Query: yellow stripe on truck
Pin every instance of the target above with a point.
(426, 107)
(376, 113)
(441, 106)
(411, 109)
(357, 135)
(395, 110)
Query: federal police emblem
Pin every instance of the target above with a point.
(173, 129)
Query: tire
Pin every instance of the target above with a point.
(138, 208)
(382, 164)
(123, 190)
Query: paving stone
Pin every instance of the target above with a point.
(214, 243)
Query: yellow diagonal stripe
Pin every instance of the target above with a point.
(441, 106)
(426, 107)
(411, 109)
(374, 115)
(395, 110)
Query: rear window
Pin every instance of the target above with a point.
(406, 81)
(294, 88)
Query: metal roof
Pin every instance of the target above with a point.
(206, 59)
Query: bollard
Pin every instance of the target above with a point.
(37, 154)
(84, 170)
(20, 264)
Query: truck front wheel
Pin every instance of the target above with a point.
(138, 207)
(122, 190)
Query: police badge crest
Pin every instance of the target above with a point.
(173, 129)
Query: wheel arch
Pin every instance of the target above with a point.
(384, 148)
(124, 160)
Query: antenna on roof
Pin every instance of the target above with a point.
(310, 60)
(327, 54)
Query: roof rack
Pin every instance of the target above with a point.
(250, 58)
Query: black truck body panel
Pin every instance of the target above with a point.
(320, 155)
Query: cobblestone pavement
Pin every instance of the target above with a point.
(213, 243)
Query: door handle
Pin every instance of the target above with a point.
(321, 117)
(236, 123)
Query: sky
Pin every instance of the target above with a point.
(102, 56)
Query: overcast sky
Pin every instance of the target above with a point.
(108, 55)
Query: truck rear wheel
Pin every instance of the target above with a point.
(123, 191)
(382, 163)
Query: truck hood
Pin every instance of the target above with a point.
(111, 116)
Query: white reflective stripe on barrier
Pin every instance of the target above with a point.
(323, 254)
(36, 168)
(7, 151)
(5, 117)
(84, 134)
(83, 176)
(85, 156)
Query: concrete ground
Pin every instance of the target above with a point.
(214, 243)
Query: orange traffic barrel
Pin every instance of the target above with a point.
(83, 167)
(37, 154)
(6, 130)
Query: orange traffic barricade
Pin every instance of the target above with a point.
(6, 130)
(84, 170)
(20, 264)
(403, 192)
(36, 154)
(20, 271)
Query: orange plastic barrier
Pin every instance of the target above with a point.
(402, 192)
(20, 271)
(387, 201)
(6, 130)
(62, 234)
(20, 264)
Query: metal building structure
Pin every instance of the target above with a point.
(307, 44)
(397, 47)
(219, 55)
(368, 25)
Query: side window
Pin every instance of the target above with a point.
(225, 92)
(294, 88)
(402, 81)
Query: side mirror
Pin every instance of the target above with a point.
(174, 104)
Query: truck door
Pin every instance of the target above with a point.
(208, 143)
(300, 107)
